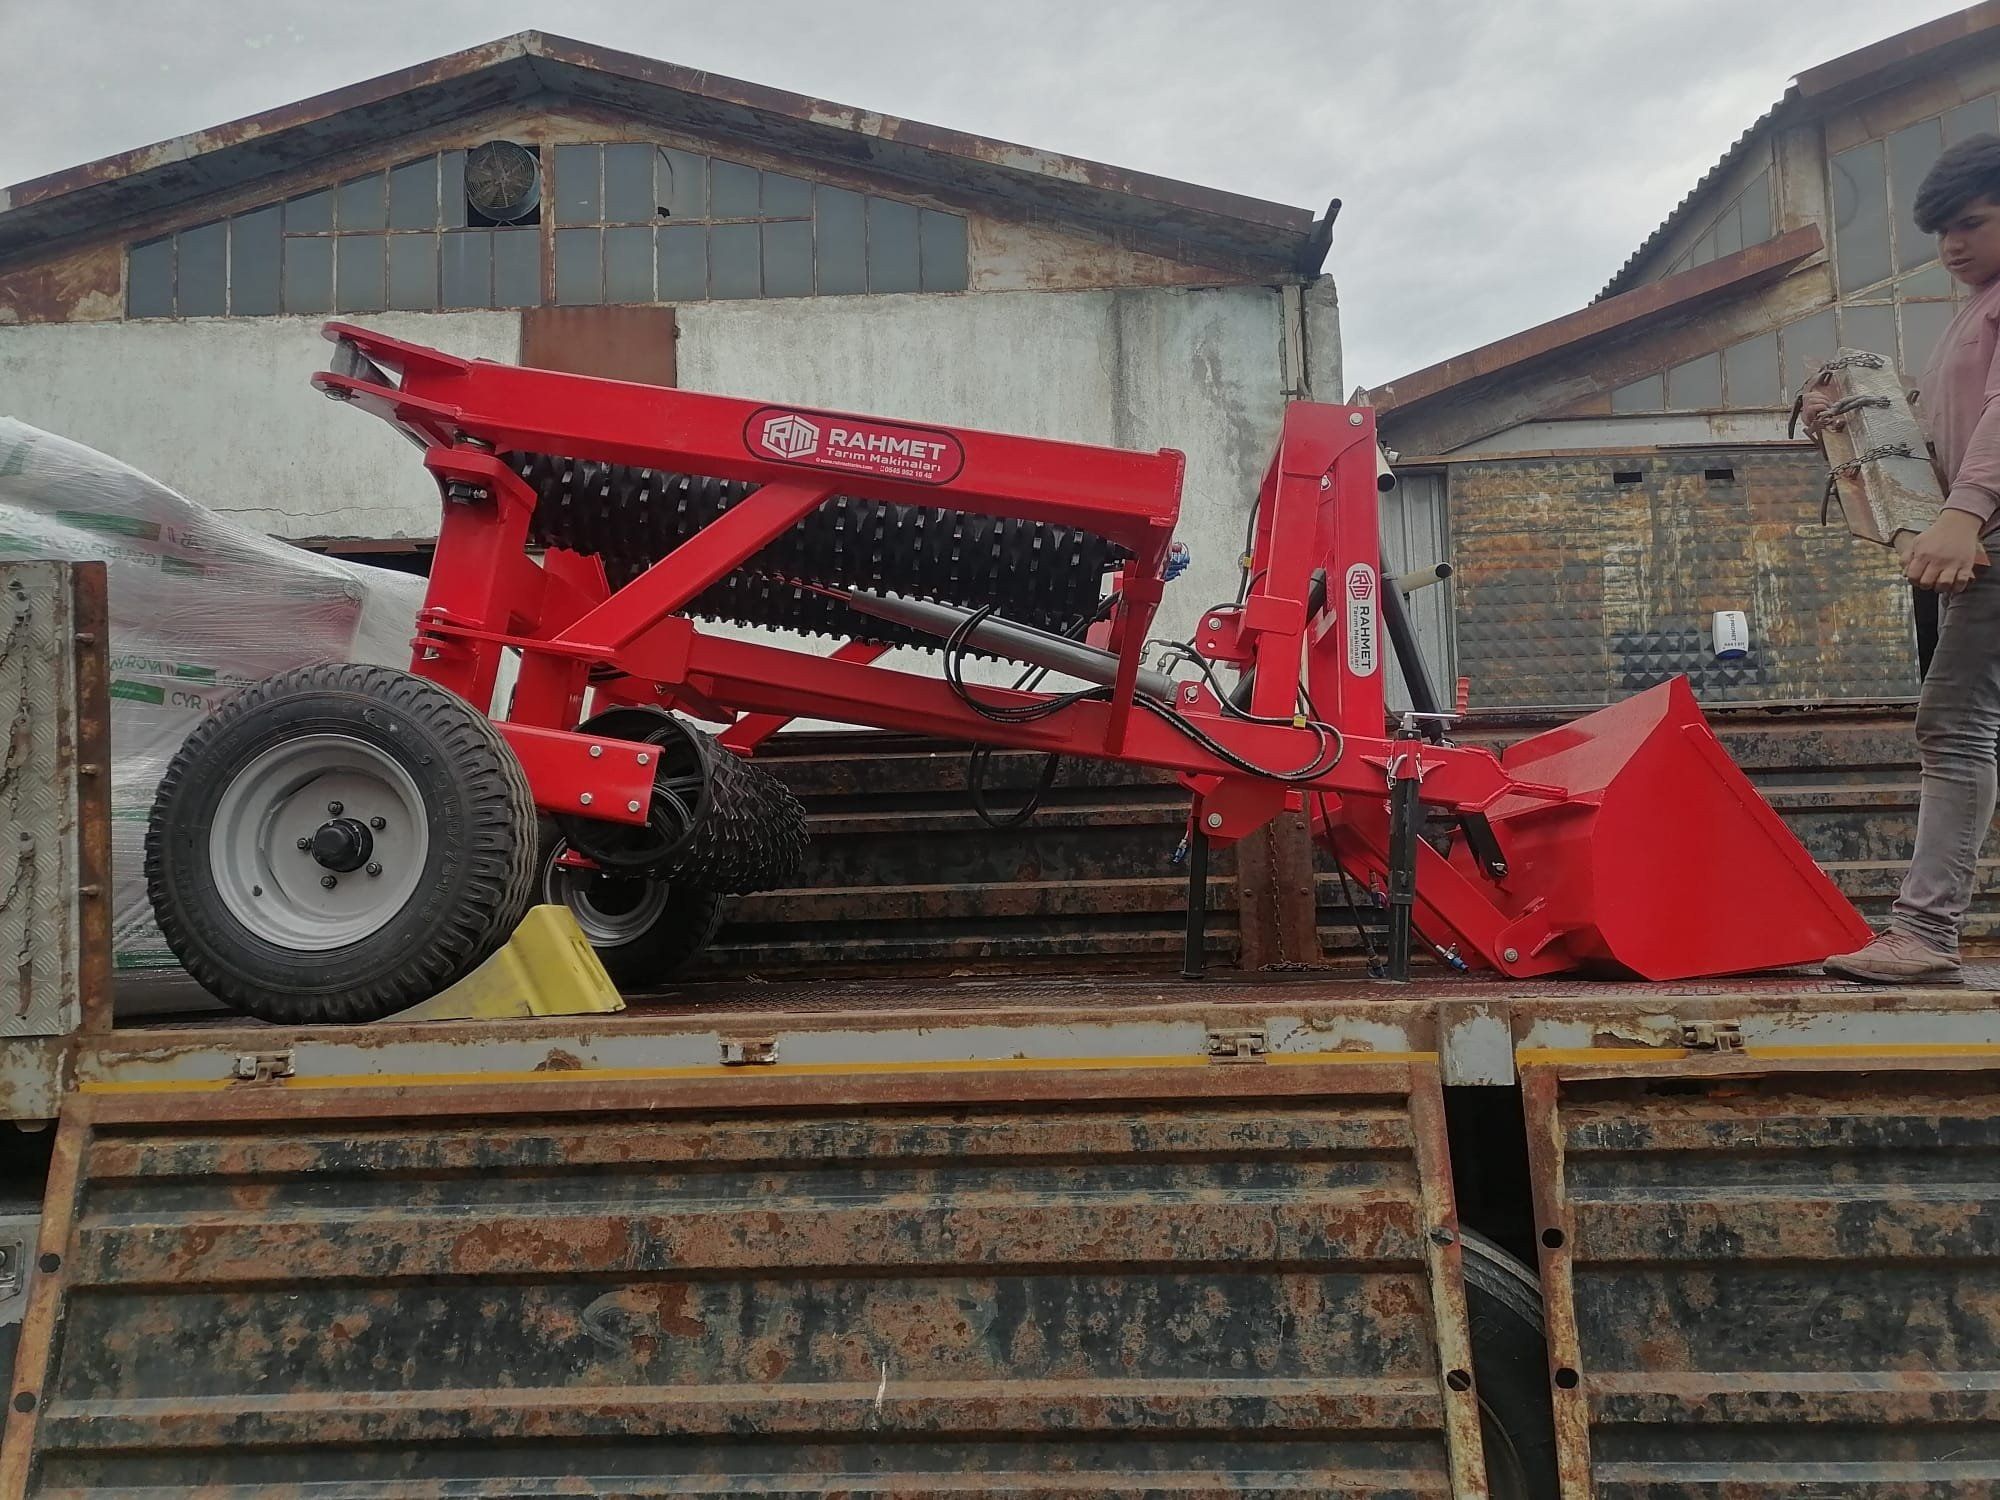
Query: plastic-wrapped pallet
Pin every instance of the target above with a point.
(200, 606)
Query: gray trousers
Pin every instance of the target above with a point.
(1958, 728)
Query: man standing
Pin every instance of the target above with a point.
(1958, 713)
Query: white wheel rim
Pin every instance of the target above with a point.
(562, 886)
(277, 890)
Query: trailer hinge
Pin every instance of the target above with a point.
(1712, 1036)
(1237, 1044)
(749, 1051)
(262, 1067)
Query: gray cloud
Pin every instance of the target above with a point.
(1498, 161)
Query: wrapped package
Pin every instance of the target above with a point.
(200, 607)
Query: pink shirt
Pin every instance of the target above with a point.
(1959, 405)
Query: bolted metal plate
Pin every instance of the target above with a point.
(39, 943)
(1786, 1284)
(1210, 1281)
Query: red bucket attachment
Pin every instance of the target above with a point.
(1665, 861)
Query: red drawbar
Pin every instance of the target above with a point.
(1629, 840)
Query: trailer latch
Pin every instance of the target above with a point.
(1237, 1044)
(748, 1051)
(1712, 1036)
(262, 1067)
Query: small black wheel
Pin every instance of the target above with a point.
(1510, 1362)
(338, 843)
(644, 928)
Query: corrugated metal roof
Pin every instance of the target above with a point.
(1622, 281)
(1853, 74)
(1206, 224)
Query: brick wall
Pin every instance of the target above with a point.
(1573, 587)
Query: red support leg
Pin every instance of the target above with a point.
(480, 576)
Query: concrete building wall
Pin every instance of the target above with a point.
(222, 409)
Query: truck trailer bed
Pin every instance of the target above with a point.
(1006, 1237)
(1286, 1233)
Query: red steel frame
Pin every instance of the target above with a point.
(1317, 508)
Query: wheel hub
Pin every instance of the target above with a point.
(319, 842)
(611, 909)
(342, 845)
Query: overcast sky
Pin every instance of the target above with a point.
(1498, 159)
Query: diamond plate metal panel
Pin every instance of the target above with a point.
(1584, 577)
(38, 802)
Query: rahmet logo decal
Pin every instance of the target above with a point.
(855, 445)
(789, 435)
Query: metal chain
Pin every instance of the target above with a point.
(1824, 373)
(1860, 361)
(1886, 450)
(1853, 467)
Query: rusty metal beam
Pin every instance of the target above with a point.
(1672, 296)
(1277, 896)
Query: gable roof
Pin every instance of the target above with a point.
(1178, 218)
(1866, 70)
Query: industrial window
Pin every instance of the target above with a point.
(626, 222)
(1879, 254)
(1743, 376)
(1744, 222)
(405, 238)
(1895, 297)
(1760, 373)
(642, 223)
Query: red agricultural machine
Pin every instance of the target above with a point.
(343, 841)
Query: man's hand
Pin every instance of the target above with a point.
(1945, 557)
(1812, 412)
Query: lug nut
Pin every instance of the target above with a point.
(335, 809)
(328, 881)
(378, 823)
(374, 869)
(305, 843)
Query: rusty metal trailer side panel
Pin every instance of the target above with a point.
(1774, 1276)
(1222, 1281)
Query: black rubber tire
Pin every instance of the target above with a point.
(478, 875)
(650, 955)
(1510, 1360)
